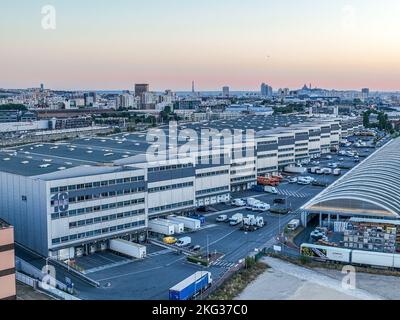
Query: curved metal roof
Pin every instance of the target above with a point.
(371, 188)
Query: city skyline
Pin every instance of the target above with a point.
(102, 46)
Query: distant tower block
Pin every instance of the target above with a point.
(193, 91)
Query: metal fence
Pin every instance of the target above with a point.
(37, 284)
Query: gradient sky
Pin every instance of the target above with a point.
(104, 44)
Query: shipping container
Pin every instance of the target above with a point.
(189, 223)
(371, 258)
(161, 226)
(191, 287)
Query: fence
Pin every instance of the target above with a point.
(225, 277)
(36, 284)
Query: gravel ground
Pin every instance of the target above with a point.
(285, 281)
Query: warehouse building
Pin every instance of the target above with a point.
(68, 199)
(370, 190)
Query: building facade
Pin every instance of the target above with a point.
(7, 262)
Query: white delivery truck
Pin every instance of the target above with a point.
(184, 242)
(337, 172)
(161, 226)
(236, 219)
(251, 202)
(128, 248)
(189, 223)
(293, 225)
(270, 189)
(179, 226)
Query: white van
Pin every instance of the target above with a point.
(184, 242)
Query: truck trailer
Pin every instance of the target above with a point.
(178, 226)
(189, 223)
(191, 287)
(128, 248)
(162, 226)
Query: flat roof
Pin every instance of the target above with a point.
(44, 159)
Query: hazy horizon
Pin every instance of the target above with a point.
(103, 45)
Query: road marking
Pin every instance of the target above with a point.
(130, 274)
(106, 267)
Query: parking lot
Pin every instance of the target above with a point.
(150, 279)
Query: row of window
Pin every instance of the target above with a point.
(315, 140)
(265, 143)
(104, 207)
(241, 171)
(112, 217)
(243, 178)
(171, 167)
(286, 149)
(171, 206)
(265, 156)
(212, 174)
(101, 195)
(286, 155)
(267, 169)
(97, 184)
(285, 162)
(301, 149)
(98, 232)
(213, 190)
(171, 187)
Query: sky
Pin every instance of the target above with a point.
(112, 44)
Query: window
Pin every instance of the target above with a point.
(24, 198)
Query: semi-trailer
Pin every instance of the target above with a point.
(128, 248)
(161, 226)
(178, 226)
(191, 287)
(189, 223)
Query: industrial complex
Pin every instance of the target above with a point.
(70, 198)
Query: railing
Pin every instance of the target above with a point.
(35, 284)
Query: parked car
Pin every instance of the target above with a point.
(196, 248)
(170, 240)
(239, 203)
(222, 218)
(293, 180)
(280, 201)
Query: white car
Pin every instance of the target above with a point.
(238, 203)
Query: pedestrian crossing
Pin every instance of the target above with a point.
(293, 194)
(223, 264)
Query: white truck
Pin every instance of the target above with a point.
(253, 221)
(270, 189)
(184, 242)
(161, 226)
(178, 226)
(128, 248)
(236, 219)
(261, 207)
(293, 225)
(337, 172)
(189, 223)
(251, 202)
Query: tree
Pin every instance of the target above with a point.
(13, 106)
